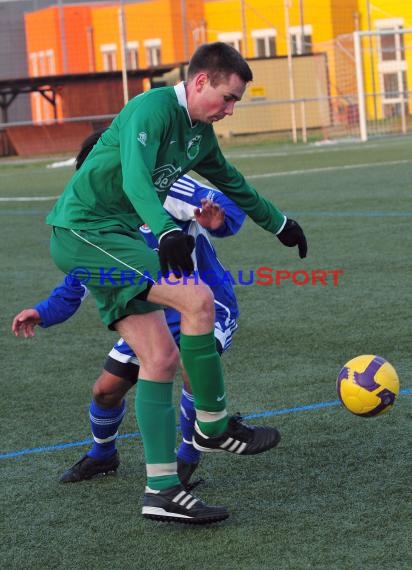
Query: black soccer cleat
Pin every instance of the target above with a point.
(88, 467)
(238, 438)
(178, 505)
(185, 471)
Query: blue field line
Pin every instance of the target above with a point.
(320, 214)
(269, 413)
(350, 214)
(307, 213)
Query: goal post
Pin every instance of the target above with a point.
(383, 63)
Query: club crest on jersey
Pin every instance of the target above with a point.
(145, 229)
(193, 147)
(142, 138)
(164, 176)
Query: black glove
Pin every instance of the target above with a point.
(291, 235)
(175, 250)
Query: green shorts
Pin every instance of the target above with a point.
(115, 264)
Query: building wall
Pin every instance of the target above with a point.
(13, 60)
(79, 51)
(100, 97)
(327, 19)
(146, 22)
(322, 20)
(387, 77)
(270, 88)
(64, 49)
(91, 30)
(13, 49)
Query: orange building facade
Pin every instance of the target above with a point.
(113, 36)
(59, 41)
(105, 37)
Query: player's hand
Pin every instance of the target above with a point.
(211, 215)
(175, 251)
(291, 235)
(25, 322)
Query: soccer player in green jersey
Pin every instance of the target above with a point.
(156, 138)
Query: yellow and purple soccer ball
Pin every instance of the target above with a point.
(368, 385)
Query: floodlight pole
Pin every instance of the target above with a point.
(122, 33)
(290, 73)
(183, 10)
(361, 87)
(244, 28)
(63, 45)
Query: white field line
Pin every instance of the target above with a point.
(329, 169)
(29, 199)
(250, 177)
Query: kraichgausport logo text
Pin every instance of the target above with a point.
(263, 276)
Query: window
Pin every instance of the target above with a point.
(132, 55)
(153, 52)
(392, 66)
(264, 42)
(109, 57)
(391, 41)
(34, 67)
(233, 39)
(42, 63)
(300, 39)
(50, 63)
(395, 85)
(390, 85)
(395, 93)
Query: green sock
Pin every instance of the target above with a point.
(202, 364)
(155, 415)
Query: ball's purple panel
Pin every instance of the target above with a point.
(366, 379)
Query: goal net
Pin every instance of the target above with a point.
(370, 76)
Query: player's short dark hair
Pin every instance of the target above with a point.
(219, 60)
(86, 147)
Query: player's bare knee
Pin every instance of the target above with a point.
(105, 399)
(161, 364)
(109, 390)
(200, 300)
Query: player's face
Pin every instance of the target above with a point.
(215, 103)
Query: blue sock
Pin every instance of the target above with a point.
(105, 424)
(186, 451)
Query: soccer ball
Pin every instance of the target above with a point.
(368, 385)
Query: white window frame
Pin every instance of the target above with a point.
(132, 55)
(396, 66)
(232, 38)
(109, 55)
(153, 48)
(34, 64)
(296, 32)
(50, 62)
(42, 62)
(266, 35)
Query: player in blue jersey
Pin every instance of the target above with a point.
(121, 368)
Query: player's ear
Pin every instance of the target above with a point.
(201, 80)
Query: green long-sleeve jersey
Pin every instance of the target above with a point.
(149, 145)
